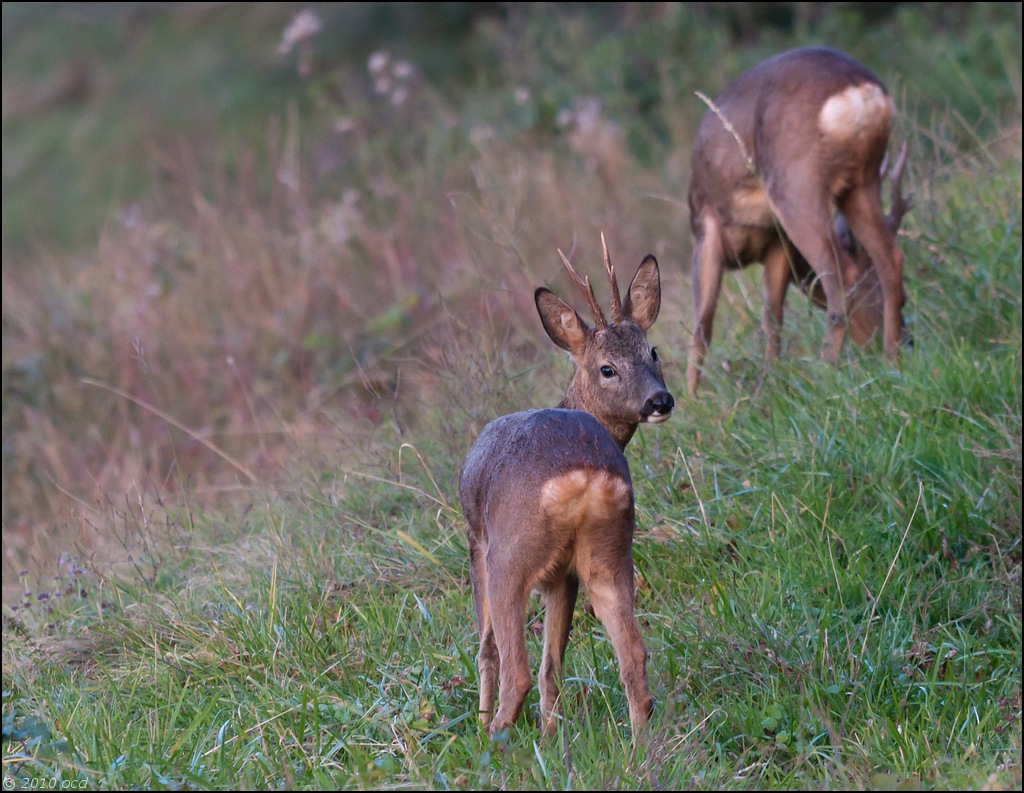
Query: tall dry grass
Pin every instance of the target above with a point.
(271, 308)
(251, 317)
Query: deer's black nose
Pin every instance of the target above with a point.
(660, 404)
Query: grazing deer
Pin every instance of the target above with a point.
(548, 500)
(787, 143)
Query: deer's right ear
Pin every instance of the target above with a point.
(561, 322)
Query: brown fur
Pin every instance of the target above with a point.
(815, 125)
(548, 502)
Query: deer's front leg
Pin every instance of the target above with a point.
(776, 278)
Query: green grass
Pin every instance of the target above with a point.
(829, 590)
(233, 423)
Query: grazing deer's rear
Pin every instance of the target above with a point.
(787, 142)
(548, 502)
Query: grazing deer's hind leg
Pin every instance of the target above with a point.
(807, 222)
(707, 269)
(862, 208)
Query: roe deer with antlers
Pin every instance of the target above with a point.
(785, 145)
(548, 500)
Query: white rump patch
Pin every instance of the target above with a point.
(573, 497)
(855, 109)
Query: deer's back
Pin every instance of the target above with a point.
(521, 461)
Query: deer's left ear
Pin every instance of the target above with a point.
(643, 298)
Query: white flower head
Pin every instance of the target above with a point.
(304, 26)
(378, 62)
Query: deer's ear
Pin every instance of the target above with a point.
(561, 322)
(643, 299)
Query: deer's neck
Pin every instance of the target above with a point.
(620, 431)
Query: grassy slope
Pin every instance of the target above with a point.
(829, 567)
(830, 594)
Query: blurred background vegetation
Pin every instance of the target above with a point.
(95, 94)
(242, 242)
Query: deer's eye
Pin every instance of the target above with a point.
(654, 353)
(607, 371)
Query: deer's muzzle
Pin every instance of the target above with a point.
(658, 407)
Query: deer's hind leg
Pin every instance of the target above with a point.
(862, 207)
(707, 266)
(487, 658)
(612, 597)
(808, 224)
(604, 563)
(560, 600)
(507, 594)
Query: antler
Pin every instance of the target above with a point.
(588, 293)
(900, 205)
(613, 285)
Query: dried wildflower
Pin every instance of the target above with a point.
(339, 221)
(378, 63)
(344, 125)
(299, 34)
(304, 26)
(382, 84)
(403, 70)
(399, 95)
(394, 80)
